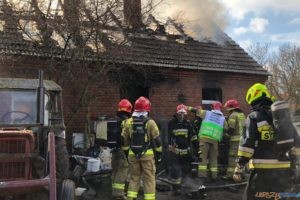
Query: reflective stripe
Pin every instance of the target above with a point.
(120, 186)
(180, 130)
(132, 194)
(183, 132)
(178, 151)
(262, 123)
(230, 169)
(235, 138)
(125, 148)
(149, 196)
(285, 141)
(202, 167)
(244, 154)
(268, 164)
(148, 152)
(213, 169)
(246, 149)
(158, 149)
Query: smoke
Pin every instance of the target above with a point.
(200, 17)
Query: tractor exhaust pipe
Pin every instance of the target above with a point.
(40, 99)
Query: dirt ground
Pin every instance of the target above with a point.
(103, 191)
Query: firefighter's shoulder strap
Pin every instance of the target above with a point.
(140, 141)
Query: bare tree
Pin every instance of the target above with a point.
(260, 52)
(78, 35)
(285, 69)
(284, 66)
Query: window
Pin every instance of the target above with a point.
(212, 94)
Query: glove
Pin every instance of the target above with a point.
(238, 174)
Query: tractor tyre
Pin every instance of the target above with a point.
(67, 191)
(62, 161)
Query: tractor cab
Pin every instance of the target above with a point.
(31, 121)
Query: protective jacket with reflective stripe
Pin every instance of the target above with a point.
(181, 133)
(236, 121)
(152, 133)
(258, 144)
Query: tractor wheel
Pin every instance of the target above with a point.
(67, 191)
(62, 161)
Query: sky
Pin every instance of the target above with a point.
(246, 21)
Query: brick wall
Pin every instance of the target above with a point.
(163, 95)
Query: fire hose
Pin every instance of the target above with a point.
(202, 188)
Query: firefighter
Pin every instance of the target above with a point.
(141, 136)
(180, 136)
(197, 120)
(210, 134)
(236, 121)
(119, 161)
(268, 174)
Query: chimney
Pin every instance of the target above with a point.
(133, 13)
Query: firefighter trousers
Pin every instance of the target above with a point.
(234, 146)
(267, 184)
(180, 167)
(209, 157)
(120, 168)
(142, 169)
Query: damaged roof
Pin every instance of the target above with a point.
(155, 49)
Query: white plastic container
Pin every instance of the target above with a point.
(105, 156)
(93, 165)
(78, 140)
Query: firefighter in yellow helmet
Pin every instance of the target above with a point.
(236, 121)
(119, 161)
(141, 136)
(257, 144)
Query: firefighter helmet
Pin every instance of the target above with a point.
(256, 92)
(181, 109)
(231, 104)
(142, 104)
(125, 105)
(216, 106)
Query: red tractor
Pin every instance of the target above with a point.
(33, 153)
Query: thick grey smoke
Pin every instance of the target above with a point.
(200, 17)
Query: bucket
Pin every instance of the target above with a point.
(93, 165)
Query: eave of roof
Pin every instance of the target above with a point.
(151, 51)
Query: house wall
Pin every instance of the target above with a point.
(163, 95)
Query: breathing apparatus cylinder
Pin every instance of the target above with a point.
(284, 129)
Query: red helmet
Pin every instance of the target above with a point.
(216, 106)
(125, 105)
(181, 109)
(231, 104)
(142, 104)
